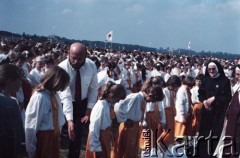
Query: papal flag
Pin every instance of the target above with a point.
(109, 36)
(189, 45)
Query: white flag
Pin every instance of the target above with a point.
(109, 36)
(189, 45)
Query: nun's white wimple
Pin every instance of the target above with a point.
(213, 64)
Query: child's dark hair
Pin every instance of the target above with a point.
(182, 77)
(233, 72)
(48, 59)
(156, 80)
(174, 81)
(9, 72)
(117, 89)
(157, 66)
(55, 79)
(155, 89)
(156, 92)
(199, 77)
(189, 81)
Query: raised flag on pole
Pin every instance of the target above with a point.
(110, 36)
(189, 45)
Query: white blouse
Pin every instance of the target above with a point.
(194, 92)
(129, 108)
(39, 117)
(182, 104)
(150, 107)
(99, 120)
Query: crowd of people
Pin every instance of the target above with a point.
(155, 99)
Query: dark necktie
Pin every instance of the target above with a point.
(78, 91)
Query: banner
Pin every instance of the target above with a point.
(110, 36)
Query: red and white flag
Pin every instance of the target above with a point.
(109, 36)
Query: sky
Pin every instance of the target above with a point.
(209, 25)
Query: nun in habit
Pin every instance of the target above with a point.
(215, 94)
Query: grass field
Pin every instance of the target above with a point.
(65, 142)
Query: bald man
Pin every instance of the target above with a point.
(77, 108)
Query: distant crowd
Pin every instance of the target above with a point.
(56, 87)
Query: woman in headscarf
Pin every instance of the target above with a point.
(215, 94)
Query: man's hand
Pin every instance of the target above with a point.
(87, 116)
(71, 133)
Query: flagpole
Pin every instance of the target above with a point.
(189, 48)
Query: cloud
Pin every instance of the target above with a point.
(88, 1)
(135, 9)
(84, 1)
(67, 11)
(200, 8)
(140, 22)
(229, 6)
